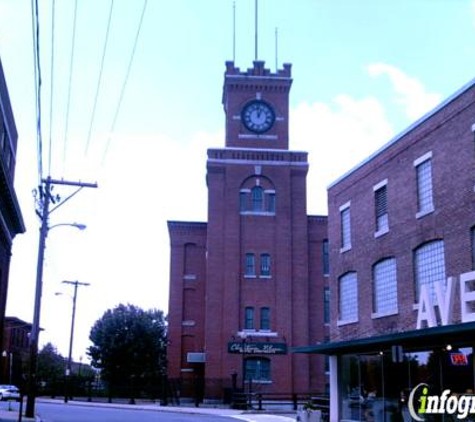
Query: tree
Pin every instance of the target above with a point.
(50, 364)
(129, 346)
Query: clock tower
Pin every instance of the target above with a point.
(256, 106)
(248, 285)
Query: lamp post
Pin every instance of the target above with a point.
(6, 354)
(35, 327)
(76, 284)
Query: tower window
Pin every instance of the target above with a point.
(257, 195)
(249, 318)
(257, 369)
(271, 202)
(250, 265)
(265, 318)
(265, 264)
(243, 201)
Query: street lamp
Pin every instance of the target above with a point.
(6, 354)
(77, 225)
(76, 284)
(35, 327)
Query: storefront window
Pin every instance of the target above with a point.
(374, 388)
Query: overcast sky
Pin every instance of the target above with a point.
(363, 71)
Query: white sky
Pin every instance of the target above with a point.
(363, 71)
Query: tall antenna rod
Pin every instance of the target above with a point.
(276, 50)
(234, 31)
(256, 7)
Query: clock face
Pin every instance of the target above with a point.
(258, 116)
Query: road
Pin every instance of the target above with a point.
(50, 412)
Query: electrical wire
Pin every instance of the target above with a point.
(53, 3)
(37, 73)
(71, 63)
(125, 82)
(99, 80)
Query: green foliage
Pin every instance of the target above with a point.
(50, 363)
(129, 342)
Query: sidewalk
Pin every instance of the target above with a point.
(12, 415)
(249, 416)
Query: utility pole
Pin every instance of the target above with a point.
(44, 202)
(73, 318)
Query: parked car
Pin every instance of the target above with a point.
(9, 392)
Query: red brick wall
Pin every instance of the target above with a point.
(449, 136)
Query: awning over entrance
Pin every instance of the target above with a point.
(426, 338)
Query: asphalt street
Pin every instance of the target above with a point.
(80, 412)
(70, 413)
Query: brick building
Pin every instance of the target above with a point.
(11, 220)
(401, 228)
(15, 352)
(248, 285)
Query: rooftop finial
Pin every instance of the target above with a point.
(256, 14)
(234, 31)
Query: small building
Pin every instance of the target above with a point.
(11, 220)
(248, 284)
(401, 228)
(15, 353)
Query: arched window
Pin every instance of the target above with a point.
(429, 267)
(257, 196)
(257, 369)
(385, 287)
(348, 297)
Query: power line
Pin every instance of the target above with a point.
(37, 71)
(51, 86)
(70, 83)
(125, 82)
(100, 77)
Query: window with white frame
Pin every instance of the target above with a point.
(429, 267)
(326, 305)
(381, 207)
(265, 265)
(472, 240)
(348, 298)
(257, 197)
(270, 201)
(423, 167)
(249, 318)
(257, 369)
(250, 265)
(385, 287)
(265, 318)
(325, 257)
(345, 224)
(243, 200)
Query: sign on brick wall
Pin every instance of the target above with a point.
(252, 348)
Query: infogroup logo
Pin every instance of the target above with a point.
(459, 405)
